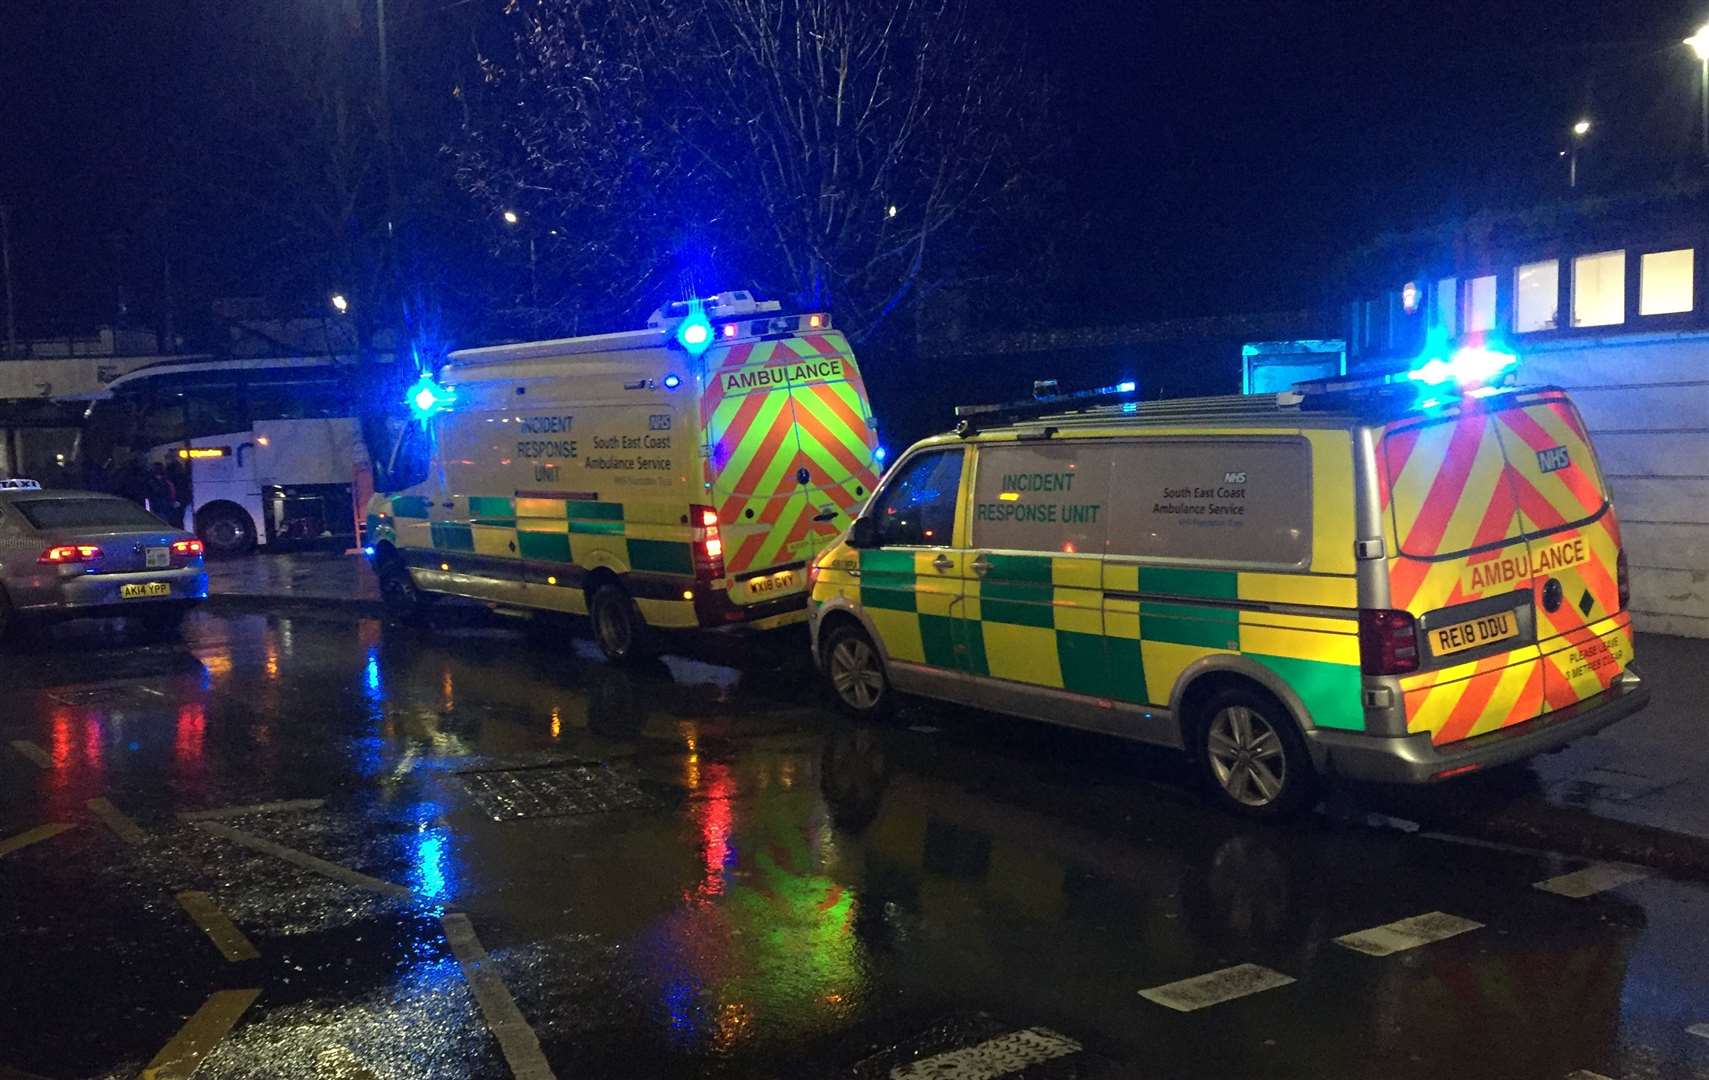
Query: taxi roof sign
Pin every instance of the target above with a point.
(19, 485)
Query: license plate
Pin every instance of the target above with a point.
(157, 558)
(1473, 633)
(144, 591)
(768, 584)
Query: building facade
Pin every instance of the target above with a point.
(1606, 297)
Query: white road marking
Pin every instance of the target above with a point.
(1586, 1074)
(1000, 1056)
(35, 754)
(255, 808)
(182, 1056)
(521, 1047)
(1699, 1030)
(113, 818)
(1202, 991)
(1595, 878)
(302, 859)
(32, 836)
(1407, 934)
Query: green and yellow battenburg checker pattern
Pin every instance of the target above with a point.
(1044, 620)
(578, 536)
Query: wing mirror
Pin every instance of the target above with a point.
(863, 533)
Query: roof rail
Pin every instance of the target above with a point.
(1099, 406)
(1046, 398)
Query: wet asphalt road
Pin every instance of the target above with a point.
(498, 856)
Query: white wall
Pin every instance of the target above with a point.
(1645, 398)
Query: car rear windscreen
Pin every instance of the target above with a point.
(86, 514)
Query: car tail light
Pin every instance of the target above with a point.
(1623, 575)
(69, 553)
(186, 547)
(1388, 642)
(708, 544)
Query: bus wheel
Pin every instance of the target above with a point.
(622, 635)
(1252, 757)
(226, 531)
(402, 598)
(857, 673)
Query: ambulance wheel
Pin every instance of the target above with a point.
(1251, 755)
(618, 628)
(856, 672)
(402, 598)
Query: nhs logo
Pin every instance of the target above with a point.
(1552, 459)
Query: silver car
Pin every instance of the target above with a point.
(78, 554)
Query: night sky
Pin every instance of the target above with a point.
(1220, 156)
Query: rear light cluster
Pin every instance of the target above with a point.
(1624, 577)
(186, 547)
(1388, 642)
(708, 545)
(61, 554)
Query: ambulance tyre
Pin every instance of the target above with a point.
(856, 673)
(618, 628)
(402, 598)
(1250, 754)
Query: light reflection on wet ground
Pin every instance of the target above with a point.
(741, 883)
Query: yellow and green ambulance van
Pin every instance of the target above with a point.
(1400, 579)
(674, 477)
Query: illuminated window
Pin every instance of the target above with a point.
(1536, 294)
(1599, 289)
(1664, 282)
(1480, 304)
(1448, 306)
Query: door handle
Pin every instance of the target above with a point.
(981, 565)
(944, 563)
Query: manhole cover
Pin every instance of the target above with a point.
(562, 791)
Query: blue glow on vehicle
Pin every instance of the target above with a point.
(672, 381)
(373, 671)
(881, 454)
(1470, 365)
(1127, 387)
(426, 397)
(694, 333)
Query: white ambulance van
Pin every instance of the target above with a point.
(675, 477)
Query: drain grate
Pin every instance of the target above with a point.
(562, 791)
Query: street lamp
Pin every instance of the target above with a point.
(1580, 130)
(511, 217)
(1699, 43)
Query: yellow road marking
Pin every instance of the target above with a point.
(36, 755)
(225, 935)
(1405, 934)
(255, 808)
(302, 859)
(35, 835)
(517, 1041)
(123, 827)
(199, 1035)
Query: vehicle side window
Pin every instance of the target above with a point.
(917, 508)
(1033, 497)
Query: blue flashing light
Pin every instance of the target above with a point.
(672, 381)
(368, 551)
(1126, 387)
(694, 333)
(881, 454)
(426, 397)
(1471, 365)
